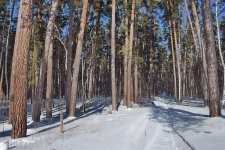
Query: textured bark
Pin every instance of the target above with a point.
(214, 103)
(76, 63)
(113, 56)
(36, 111)
(11, 92)
(20, 66)
(49, 82)
(129, 70)
(69, 58)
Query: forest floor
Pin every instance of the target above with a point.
(155, 124)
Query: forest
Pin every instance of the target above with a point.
(126, 50)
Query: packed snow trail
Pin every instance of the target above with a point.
(144, 128)
(166, 137)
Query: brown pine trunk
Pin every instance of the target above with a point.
(20, 66)
(129, 70)
(113, 57)
(49, 82)
(11, 92)
(69, 58)
(125, 57)
(174, 65)
(76, 63)
(36, 112)
(136, 64)
(214, 103)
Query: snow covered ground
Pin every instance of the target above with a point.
(157, 124)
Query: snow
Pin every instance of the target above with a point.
(155, 124)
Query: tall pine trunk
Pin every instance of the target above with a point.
(214, 103)
(69, 58)
(125, 57)
(12, 85)
(20, 67)
(76, 64)
(129, 68)
(49, 82)
(113, 56)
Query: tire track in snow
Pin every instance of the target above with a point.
(136, 131)
(165, 137)
(162, 103)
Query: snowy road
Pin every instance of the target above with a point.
(144, 128)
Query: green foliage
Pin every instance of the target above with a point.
(3, 3)
(124, 51)
(78, 3)
(123, 28)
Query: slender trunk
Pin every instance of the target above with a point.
(76, 63)
(129, 67)
(113, 57)
(7, 48)
(214, 103)
(136, 64)
(125, 57)
(69, 58)
(220, 51)
(36, 112)
(192, 29)
(49, 82)
(174, 65)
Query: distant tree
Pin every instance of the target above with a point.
(36, 111)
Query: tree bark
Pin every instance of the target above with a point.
(20, 66)
(129, 70)
(214, 103)
(49, 82)
(16, 44)
(76, 63)
(36, 112)
(113, 57)
(174, 63)
(69, 58)
(125, 57)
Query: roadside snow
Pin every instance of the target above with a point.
(158, 124)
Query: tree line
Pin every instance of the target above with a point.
(122, 49)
